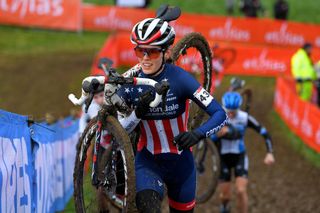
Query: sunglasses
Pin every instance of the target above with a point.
(152, 53)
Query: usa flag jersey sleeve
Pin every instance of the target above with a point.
(194, 91)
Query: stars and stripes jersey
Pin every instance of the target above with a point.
(240, 122)
(158, 127)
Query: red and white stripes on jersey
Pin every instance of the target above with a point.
(158, 135)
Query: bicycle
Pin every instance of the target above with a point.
(193, 53)
(112, 172)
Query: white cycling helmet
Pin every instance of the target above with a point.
(153, 31)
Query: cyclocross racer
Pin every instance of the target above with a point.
(233, 152)
(164, 156)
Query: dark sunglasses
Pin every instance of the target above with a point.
(153, 53)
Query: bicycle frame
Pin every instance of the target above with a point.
(112, 104)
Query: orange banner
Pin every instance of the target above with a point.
(302, 117)
(53, 14)
(248, 30)
(237, 59)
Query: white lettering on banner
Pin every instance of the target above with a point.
(295, 118)
(230, 33)
(278, 98)
(284, 37)
(113, 22)
(49, 174)
(306, 126)
(37, 7)
(69, 156)
(181, 30)
(262, 63)
(318, 136)
(317, 42)
(15, 179)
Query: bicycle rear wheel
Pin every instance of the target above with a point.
(87, 197)
(193, 54)
(207, 162)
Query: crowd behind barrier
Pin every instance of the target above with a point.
(36, 165)
(73, 15)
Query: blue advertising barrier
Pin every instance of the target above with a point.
(16, 170)
(36, 164)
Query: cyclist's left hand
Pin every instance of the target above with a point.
(269, 159)
(187, 139)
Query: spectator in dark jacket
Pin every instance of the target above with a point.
(281, 9)
(250, 8)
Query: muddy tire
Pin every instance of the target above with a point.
(88, 198)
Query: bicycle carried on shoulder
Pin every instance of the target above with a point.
(193, 53)
(112, 172)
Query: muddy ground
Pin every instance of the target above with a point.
(39, 84)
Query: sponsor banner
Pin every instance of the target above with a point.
(248, 30)
(54, 155)
(53, 14)
(36, 174)
(302, 117)
(228, 58)
(16, 170)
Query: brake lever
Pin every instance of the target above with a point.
(162, 89)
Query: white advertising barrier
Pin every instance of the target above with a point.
(16, 168)
(36, 174)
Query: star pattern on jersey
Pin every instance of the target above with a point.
(140, 90)
(126, 90)
(165, 79)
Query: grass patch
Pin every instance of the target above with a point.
(298, 145)
(27, 41)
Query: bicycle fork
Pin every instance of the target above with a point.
(94, 174)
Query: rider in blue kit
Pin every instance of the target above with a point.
(164, 156)
(233, 152)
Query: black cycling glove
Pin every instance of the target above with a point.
(187, 139)
(143, 105)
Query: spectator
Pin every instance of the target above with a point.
(303, 71)
(250, 8)
(317, 69)
(229, 6)
(281, 9)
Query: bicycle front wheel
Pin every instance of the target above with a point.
(89, 198)
(207, 162)
(193, 54)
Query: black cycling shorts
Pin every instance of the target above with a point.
(233, 162)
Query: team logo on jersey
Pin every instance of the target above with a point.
(203, 96)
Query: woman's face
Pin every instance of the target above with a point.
(150, 58)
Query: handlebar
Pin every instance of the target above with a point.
(89, 84)
(161, 88)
